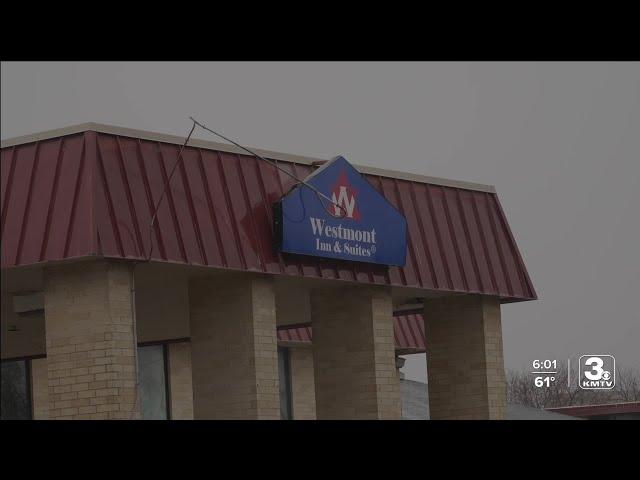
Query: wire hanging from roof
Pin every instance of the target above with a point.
(271, 162)
(321, 196)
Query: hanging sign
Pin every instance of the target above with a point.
(358, 224)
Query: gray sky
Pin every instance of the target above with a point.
(560, 141)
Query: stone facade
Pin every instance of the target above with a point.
(90, 341)
(234, 347)
(40, 389)
(303, 390)
(228, 369)
(354, 354)
(465, 363)
(180, 384)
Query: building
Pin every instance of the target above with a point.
(206, 311)
(606, 411)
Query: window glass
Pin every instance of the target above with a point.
(153, 385)
(14, 391)
(284, 374)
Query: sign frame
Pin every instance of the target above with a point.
(365, 227)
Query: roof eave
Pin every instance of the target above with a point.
(225, 147)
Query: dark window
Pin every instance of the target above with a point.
(154, 387)
(15, 390)
(284, 374)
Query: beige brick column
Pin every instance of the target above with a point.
(465, 364)
(90, 341)
(354, 354)
(234, 347)
(40, 388)
(180, 381)
(302, 384)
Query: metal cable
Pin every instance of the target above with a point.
(321, 196)
(318, 193)
(164, 191)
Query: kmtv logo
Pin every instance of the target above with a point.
(597, 372)
(343, 196)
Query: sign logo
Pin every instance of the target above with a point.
(597, 372)
(359, 224)
(343, 196)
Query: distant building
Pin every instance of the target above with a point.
(610, 411)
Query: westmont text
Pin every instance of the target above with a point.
(320, 229)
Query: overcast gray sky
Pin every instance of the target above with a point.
(560, 141)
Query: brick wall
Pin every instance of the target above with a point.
(302, 383)
(180, 381)
(234, 347)
(40, 389)
(464, 358)
(90, 341)
(354, 354)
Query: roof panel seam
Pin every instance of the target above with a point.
(52, 200)
(25, 215)
(107, 194)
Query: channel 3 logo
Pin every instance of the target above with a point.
(597, 372)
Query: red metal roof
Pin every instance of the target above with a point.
(295, 334)
(409, 333)
(596, 410)
(408, 330)
(92, 193)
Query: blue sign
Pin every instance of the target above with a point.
(358, 224)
